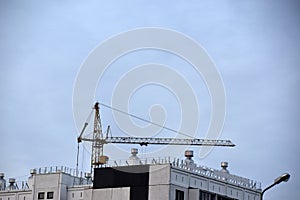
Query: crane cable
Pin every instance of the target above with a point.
(145, 120)
(77, 156)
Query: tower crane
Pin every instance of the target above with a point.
(98, 140)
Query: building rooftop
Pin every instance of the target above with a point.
(217, 174)
(186, 165)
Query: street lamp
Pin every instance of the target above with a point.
(284, 177)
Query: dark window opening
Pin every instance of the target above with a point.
(204, 195)
(224, 198)
(179, 195)
(50, 195)
(41, 195)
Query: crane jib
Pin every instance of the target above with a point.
(162, 141)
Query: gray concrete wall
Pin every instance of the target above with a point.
(182, 180)
(111, 194)
(16, 195)
(194, 194)
(159, 182)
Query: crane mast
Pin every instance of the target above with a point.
(98, 140)
(97, 146)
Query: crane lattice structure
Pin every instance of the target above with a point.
(98, 140)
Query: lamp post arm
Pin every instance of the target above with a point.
(262, 193)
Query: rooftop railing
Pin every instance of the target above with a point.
(199, 170)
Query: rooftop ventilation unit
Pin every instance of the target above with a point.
(224, 166)
(133, 159)
(2, 182)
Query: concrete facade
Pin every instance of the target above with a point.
(169, 180)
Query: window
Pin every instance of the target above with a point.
(204, 195)
(224, 198)
(73, 195)
(41, 195)
(179, 195)
(50, 195)
(80, 194)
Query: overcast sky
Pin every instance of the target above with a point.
(255, 46)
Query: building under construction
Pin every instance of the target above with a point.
(159, 179)
(134, 179)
